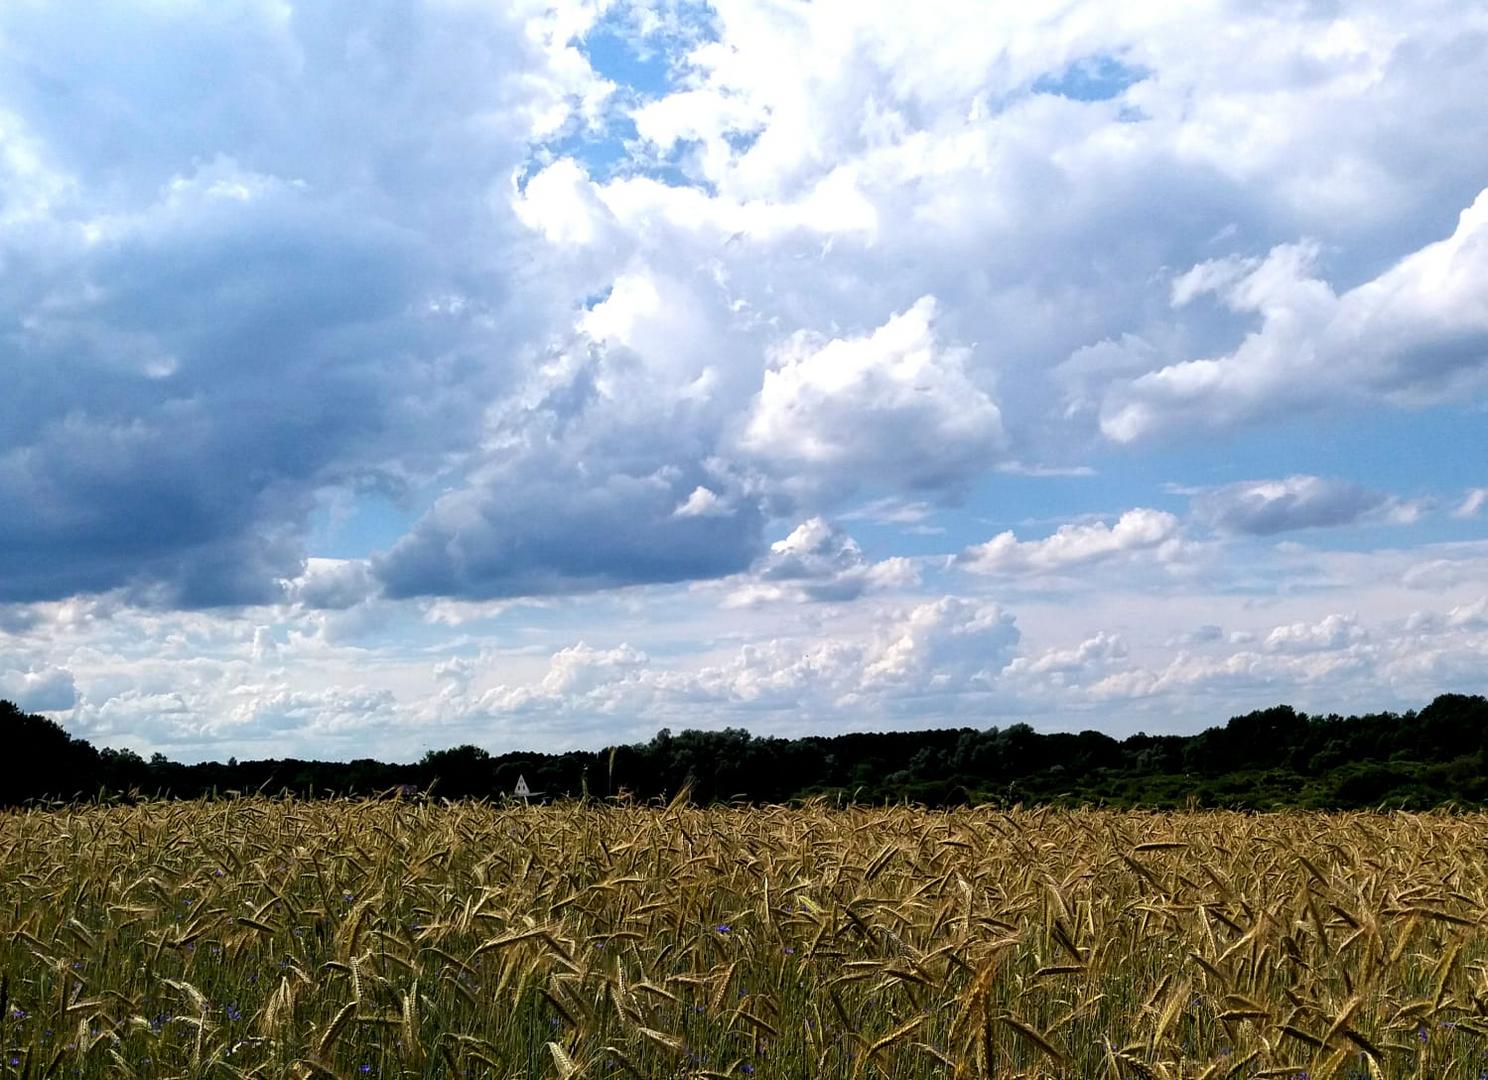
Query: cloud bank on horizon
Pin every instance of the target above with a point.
(382, 376)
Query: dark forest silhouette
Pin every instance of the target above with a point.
(1271, 758)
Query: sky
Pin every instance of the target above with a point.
(378, 377)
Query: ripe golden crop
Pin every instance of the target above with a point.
(410, 939)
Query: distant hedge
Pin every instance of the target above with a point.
(1272, 758)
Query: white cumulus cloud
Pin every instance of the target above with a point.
(1417, 332)
(1136, 531)
(896, 406)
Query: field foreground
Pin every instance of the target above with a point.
(388, 939)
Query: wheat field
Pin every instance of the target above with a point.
(350, 939)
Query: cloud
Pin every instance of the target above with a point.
(1473, 501)
(333, 584)
(593, 670)
(942, 644)
(703, 502)
(157, 445)
(1088, 659)
(1016, 468)
(578, 677)
(522, 532)
(1267, 507)
(17, 618)
(604, 468)
(1453, 565)
(221, 296)
(933, 651)
(891, 511)
(1331, 633)
(560, 204)
(1472, 616)
(944, 647)
(895, 407)
(1071, 546)
(336, 712)
(579, 669)
(1240, 676)
(775, 675)
(1469, 617)
(1416, 333)
(49, 690)
(818, 561)
(1207, 634)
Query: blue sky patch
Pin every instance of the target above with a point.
(1091, 78)
(635, 64)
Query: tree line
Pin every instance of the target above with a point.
(1269, 759)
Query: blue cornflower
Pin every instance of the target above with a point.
(724, 928)
(234, 1014)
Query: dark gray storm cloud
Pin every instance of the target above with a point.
(180, 387)
(536, 531)
(249, 252)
